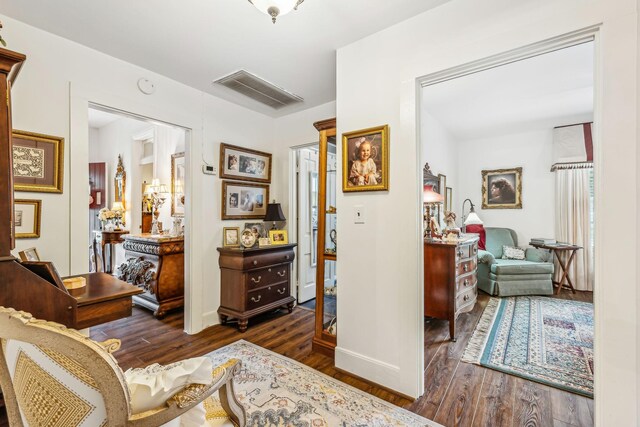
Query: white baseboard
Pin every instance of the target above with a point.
(377, 371)
(210, 318)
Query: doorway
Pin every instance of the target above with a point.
(509, 120)
(137, 181)
(306, 220)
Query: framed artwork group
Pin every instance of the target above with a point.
(244, 200)
(38, 166)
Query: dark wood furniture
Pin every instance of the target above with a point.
(147, 220)
(156, 264)
(325, 337)
(253, 281)
(110, 238)
(450, 278)
(558, 249)
(104, 299)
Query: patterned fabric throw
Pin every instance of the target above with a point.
(278, 391)
(512, 252)
(542, 339)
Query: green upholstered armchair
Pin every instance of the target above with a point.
(510, 277)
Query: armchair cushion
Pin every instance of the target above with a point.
(513, 266)
(152, 386)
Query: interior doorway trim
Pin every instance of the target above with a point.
(81, 98)
(584, 35)
(293, 202)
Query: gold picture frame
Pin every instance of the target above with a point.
(178, 175)
(26, 218)
(243, 200)
(231, 237)
(38, 162)
(365, 160)
(278, 237)
(244, 164)
(502, 189)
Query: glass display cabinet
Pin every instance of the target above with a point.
(326, 316)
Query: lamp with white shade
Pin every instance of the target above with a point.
(472, 218)
(429, 198)
(157, 193)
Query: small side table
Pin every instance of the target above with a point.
(110, 238)
(558, 249)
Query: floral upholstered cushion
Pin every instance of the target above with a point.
(512, 252)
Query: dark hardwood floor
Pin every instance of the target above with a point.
(457, 394)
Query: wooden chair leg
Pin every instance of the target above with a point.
(231, 405)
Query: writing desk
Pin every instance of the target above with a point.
(558, 249)
(105, 298)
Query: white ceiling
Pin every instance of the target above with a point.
(549, 90)
(99, 118)
(198, 41)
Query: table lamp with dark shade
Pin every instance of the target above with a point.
(274, 214)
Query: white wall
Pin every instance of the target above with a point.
(381, 327)
(440, 149)
(52, 96)
(533, 152)
(116, 139)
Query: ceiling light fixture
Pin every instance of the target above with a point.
(275, 8)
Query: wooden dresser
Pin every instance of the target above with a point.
(253, 281)
(156, 264)
(450, 279)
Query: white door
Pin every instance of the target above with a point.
(307, 223)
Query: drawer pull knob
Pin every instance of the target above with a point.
(459, 252)
(282, 291)
(255, 262)
(253, 279)
(282, 273)
(466, 282)
(286, 257)
(254, 299)
(466, 298)
(269, 270)
(465, 267)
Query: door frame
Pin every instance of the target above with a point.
(80, 98)
(293, 205)
(584, 35)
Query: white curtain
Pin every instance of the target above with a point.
(574, 223)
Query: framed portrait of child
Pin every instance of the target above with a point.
(365, 159)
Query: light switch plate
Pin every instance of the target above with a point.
(358, 214)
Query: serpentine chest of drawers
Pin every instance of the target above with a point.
(254, 281)
(450, 279)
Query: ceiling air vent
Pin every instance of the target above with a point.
(258, 89)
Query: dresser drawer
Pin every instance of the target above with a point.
(267, 276)
(465, 267)
(264, 296)
(463, 283)
(467, 298)
(466, 251)
(267, 259)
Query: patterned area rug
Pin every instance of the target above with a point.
(538, 338)
(278, 391)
